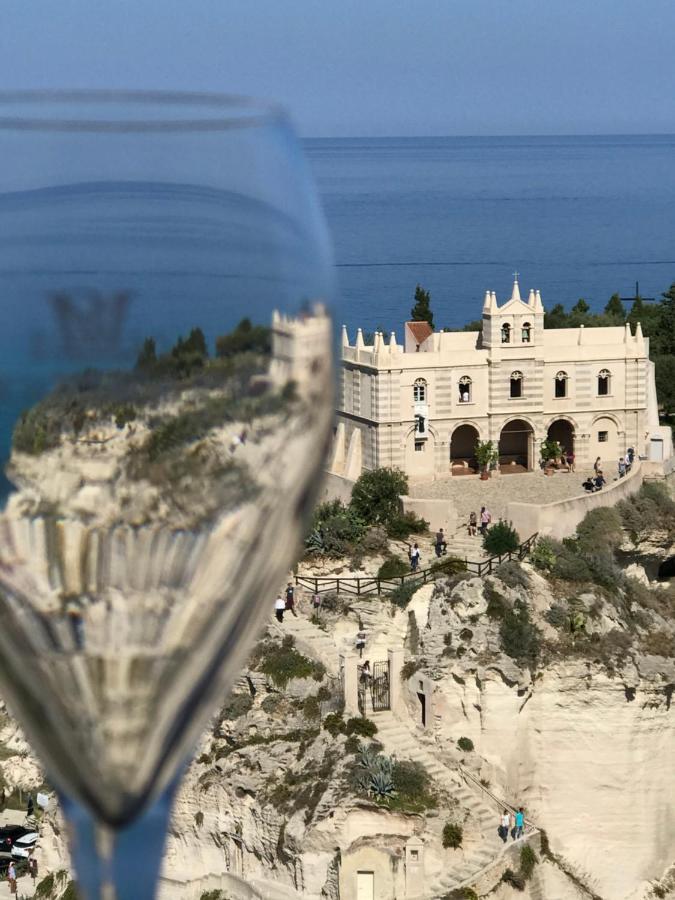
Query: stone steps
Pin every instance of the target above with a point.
(309, 639)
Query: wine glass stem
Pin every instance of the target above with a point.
(122, 863)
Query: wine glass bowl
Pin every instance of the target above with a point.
(166, 375)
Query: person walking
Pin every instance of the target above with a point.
(520, 824)
(473, 524)
(440, 545)
(11, 877)
(360, 640)
(622, 466)
(505, 825)
(316, 603)
(414, 557)
(485, 519)
(290, 599)
(279, 608)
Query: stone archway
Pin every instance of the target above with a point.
(516, 447)
(562, 431)
(463, 450)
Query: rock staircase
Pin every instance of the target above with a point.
(483, 809)
(309, 639)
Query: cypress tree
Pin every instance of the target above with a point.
(421, 311)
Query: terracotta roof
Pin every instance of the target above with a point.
(420, 331)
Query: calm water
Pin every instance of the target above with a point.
(576, 216)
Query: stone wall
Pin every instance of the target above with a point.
(559, 520)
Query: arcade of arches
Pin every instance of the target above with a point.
(516, 447)
(562, 431)
(463, 450)
(517, 450)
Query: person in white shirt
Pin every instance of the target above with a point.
(505, 825)
(279, 608)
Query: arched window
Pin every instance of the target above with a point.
(420, 391)
(465, 389)
(526, 333)
(604, 379)
(506, 333)
(561, 384)
(516, 384)
(420, 426)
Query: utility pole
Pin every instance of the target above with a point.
(637, 296)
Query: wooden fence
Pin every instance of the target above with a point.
(373, 585)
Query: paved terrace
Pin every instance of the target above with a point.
(469, 493)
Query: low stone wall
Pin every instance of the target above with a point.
(336, 487)
(559, 520)
(438, 513)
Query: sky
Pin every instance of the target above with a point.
(369, 67)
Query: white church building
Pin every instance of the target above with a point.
(422, 405)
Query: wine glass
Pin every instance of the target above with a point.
(167, 392)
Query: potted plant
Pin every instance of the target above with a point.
(550, 452)
(487, 455)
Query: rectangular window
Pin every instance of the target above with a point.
(560, 387)
(419, 445)
(516, 387)
(602, 436)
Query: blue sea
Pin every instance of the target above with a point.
(575, 216)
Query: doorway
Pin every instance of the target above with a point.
(365, 886)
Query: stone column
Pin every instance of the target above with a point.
(395, 658)
(414, 868)
(350, 682)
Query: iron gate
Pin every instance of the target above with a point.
(380, 686)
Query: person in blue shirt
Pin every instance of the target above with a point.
(520, 824)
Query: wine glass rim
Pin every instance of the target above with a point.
(224, 111)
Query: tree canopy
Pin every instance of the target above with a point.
(421, 311)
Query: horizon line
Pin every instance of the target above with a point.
(580, 134)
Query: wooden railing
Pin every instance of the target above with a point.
(321, 584)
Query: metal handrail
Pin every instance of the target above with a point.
(371, 584)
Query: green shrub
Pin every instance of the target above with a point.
(557, 616)
(403, 594)
(463, 893)
(413, 786)
(408, 669)
(519, 637)
(465, 744)
(212, 895)
(311, 708)
(283, 662)
(71, 892)
(393, 567)
(361, 726)
(336, 530)
(352, 744)
(453, 835)
(405, 524)
(245, 338)
(543, 555)
(123, 414)
(448, 565)
(334, 724)
(515, 879)
(374, 541)
(501, 538)
(237, 705)
(600, 528)
(375, 496)
(528, 860)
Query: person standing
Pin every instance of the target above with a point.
(520, 824)
(597, 465)
(473, 523)
(622, 466)
(505, 824)
(570, 461)
(360, 640)
(290, 599)
(414, 557)
(11, 877)
(485, 519)
(316, 603)
(440, 545)
(30, 809)
(279, 608)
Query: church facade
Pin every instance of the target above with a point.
(422, 405)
